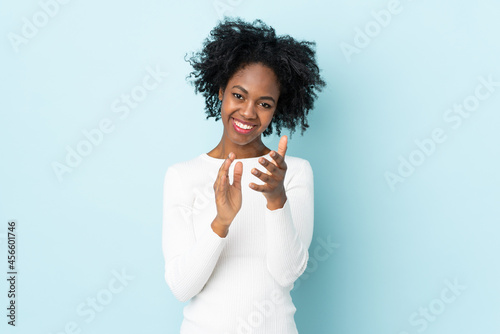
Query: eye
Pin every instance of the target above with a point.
(237, 95)
(265, 105)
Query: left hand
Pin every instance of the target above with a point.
(273, 189)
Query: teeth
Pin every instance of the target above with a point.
(243, 126)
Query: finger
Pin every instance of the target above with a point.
(223, 181)
(238, 172)
(278, 159)
(222, 178)
(224, 168)
(217, 186)
(230, 157)
(258, 187)
(225, 172)
(228, 162)
(283, 145)
(267, 178)
(271, 167)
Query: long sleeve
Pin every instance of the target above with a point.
(189, 261)
(289, 229)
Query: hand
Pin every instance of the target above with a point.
(228, 196)
(273, 189)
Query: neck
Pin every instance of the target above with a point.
(251, 150)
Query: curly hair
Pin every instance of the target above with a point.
(235, 43)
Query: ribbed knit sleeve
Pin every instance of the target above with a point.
(189, 261)
(289, 229)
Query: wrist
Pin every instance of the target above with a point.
(219, 228)
(277, 203)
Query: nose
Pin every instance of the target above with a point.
(248, 111)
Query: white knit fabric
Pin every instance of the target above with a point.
(241, 283)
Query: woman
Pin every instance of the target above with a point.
(238, 220)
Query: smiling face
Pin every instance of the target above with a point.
(250, 97)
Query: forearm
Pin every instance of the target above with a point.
(188, 273)
(286, 254)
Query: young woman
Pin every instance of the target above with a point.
(238, 220)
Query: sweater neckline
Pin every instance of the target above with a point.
(209, 158)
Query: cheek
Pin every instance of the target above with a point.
(223, 109)
(226, 105)
(269, 118)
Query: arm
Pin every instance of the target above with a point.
(189, 261)
(289, 229)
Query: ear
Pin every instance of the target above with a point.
(221, 93)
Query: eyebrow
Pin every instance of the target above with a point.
(262, 97)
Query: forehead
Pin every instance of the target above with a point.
(256, 77)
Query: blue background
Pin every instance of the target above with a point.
(395, 246)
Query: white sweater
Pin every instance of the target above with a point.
(241, 283)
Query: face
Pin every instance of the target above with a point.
(250, 97)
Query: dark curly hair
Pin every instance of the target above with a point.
(235, 43)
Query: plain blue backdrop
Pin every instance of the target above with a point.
(403, 143)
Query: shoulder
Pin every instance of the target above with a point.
(296, 163)
(187, 165)
(188, 171)
(298, 168)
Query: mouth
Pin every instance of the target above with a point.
(242, 128)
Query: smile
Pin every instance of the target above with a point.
(242, 128)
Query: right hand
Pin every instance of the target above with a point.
(228, 196)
